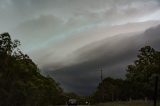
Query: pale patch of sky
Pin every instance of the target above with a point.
(153, 16)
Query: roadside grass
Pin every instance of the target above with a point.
(133, 103)
(125, 103)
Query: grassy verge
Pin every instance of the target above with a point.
(133, 103)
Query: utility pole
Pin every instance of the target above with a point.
(156, 91)
(101, 75)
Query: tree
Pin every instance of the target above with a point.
(21, 84)
(110, 90)
(140, 74)
(139, 82)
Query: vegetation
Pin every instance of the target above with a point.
(142, 73)
(127, 103)
(139, 83)
(21, 84)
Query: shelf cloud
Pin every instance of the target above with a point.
(70, 39)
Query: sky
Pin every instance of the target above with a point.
(70, 40)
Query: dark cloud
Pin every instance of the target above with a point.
(113, 55)
(63, 35)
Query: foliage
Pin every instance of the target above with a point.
(147, 64)
(139, 82)
(141, 73)
(108, 90)
(21, 84)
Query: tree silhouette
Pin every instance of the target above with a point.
(21, 84)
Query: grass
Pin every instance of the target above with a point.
(133, 103)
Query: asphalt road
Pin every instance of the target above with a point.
(77, 105)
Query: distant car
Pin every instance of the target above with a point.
(87, 102)
(72, 102)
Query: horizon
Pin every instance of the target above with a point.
(69, 39)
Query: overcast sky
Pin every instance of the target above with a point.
(69, 39)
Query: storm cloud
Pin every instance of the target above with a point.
(112, 55)
(71, 39)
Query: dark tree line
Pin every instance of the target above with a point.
(139, 82)
(21, 84)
